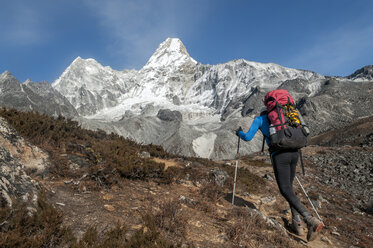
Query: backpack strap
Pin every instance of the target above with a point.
(279, 115)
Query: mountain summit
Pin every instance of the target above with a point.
(190, 108)
(171, 52)
(365, 73)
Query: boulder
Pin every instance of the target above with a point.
(169, 115)
(219, 175)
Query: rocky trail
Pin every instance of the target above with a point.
(127, 202)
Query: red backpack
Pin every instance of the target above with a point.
(287, 129)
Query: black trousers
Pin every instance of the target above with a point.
(284, 166)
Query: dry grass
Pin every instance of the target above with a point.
(248, 181)
(249, 230)
(107, 158)
(255, 162)
(170, 219)
(42, 229)
(106, 154)
(211, 191)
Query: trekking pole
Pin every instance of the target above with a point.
(235, 171)
(309, 199)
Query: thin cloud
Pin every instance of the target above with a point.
(336, 50)
(22, 26)
(137, 27)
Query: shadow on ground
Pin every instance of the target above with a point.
(239, 201)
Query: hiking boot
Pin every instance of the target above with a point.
(314, 225)
(297, 228)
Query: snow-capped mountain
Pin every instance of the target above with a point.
(129, 102)
(187, 107)
(170, 55)
(90, 87)
(170, 79)
(221, 84)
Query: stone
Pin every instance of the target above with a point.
(352, 173)
(268, 177)
(5, 199)
(144, 154)
(268, 200)
(109, 208)
(188, 201)
(169, 115)
(326, 240)
(219, 175)
(269, 221)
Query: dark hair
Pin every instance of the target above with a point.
(263, 112)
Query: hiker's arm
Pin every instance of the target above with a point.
(252, 131)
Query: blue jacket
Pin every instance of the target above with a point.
(260, 122)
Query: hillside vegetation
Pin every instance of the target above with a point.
(102, 190)
(100, 161)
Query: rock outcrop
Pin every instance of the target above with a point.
(17, 159)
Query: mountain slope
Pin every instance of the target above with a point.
(212, 100)
(28, 96)
(105, 190)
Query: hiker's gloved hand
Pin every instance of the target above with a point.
(238, 130)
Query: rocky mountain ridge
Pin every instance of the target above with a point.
(212, 100)
(365, 74)
(171, 78)
(30, 96)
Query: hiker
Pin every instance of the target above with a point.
(284, 161)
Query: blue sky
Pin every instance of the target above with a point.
(40, 38)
